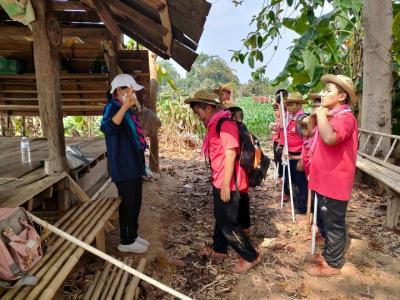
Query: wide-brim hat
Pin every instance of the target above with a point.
(122, 80)
(344, 82)
(315, 99)
(203, 96)
(225, 87)
(295, 98)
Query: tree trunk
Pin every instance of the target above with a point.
(377, 70)
(154, 157)
(48, 87)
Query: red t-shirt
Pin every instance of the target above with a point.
(333, 166)
(295, 142)
(227, 139)
(305, 156)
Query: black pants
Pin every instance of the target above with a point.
(299, 180)
(333, 215)
(130, 192)
(227, 231)
(278, 160)
(244, 211)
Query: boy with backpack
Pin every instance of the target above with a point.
(229, 179)
(333, 168)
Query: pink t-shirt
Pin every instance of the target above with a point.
(295, 142)
(333, 166)
(305, 155)
(228, 139)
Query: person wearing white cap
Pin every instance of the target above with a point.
(125, 151)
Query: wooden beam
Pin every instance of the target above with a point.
(183, 55)
(137, 18)
(166, 22)
(68, 5)
(106, 17)
(158, 5)
(48, 85)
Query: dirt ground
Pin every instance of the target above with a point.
(177, 219)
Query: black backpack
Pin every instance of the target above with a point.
(251, 157)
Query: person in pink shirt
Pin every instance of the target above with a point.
(295, 144)
(332, 170)
(229, 180)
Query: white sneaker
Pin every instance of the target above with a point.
(143, 241)
(135, 247)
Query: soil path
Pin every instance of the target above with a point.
(177, 219)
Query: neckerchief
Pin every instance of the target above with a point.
(214, 119)
(333, 113)
(134, 124)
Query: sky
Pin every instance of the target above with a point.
(226, 26)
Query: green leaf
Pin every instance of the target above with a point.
(289, 2)
(251, 61)
(311, 62)
(396, 27)
(259, 56)
(271, 15)
(298, 25)
(260, 41)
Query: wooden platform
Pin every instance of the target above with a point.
(23, 183)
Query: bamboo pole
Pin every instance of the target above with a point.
(55, 261)
(59, 271)
(131, 287)
(101, 283)
(286, 149)
(121, 288)
(314, 225)
(110, 279)
(90, 290)
(114, 286)
(119, 264)
(308, 210)
(56, 251)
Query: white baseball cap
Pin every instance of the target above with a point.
(124, 80)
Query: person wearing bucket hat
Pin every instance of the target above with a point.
(333, 164)
(126, 144)
(224, 93)
(229, 181)
(294, 102)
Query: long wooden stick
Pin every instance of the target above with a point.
(109, 258)
(283, 182)
(314, 225)
(286, 149)
(131, 288)
(308, 210)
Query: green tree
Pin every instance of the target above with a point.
(209, 72)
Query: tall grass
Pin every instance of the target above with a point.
(257, 116)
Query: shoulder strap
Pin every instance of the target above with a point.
(220, 121)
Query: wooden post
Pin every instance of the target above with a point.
(393, 211)
(154, 155)
(48, 87)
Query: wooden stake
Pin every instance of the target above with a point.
(110, 279)
(49, 292)
(131, 288)
(308, 210)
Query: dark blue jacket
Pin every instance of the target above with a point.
(125, 161)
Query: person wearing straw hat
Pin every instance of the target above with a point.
(228, 180)
(295, 111)
(126, 144)
(332, 168)
(224, 93)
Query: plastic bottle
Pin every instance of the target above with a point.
(25, 151)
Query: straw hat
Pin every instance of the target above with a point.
(316, 99)
(344, 82)
(203, 96)
(295, 97)
(225, 87)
